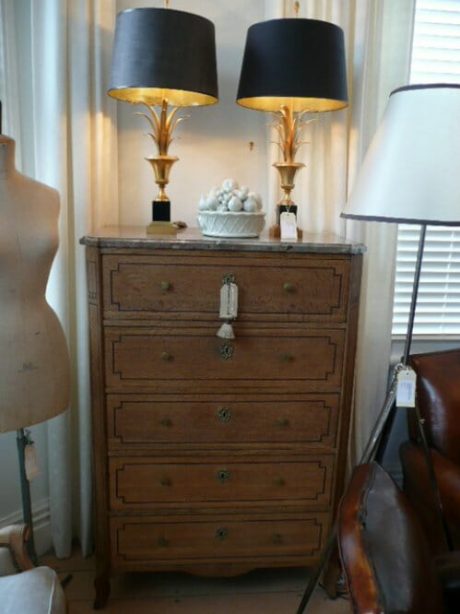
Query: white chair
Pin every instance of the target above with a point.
(26, 589)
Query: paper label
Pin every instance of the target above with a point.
(31, 461)
(228, 301)
(405, 391)
(288, 226)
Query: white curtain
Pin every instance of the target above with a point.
(72, 146)
(75, 151)
(378, 38)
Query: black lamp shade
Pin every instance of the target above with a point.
(299, 63)
(163, 54)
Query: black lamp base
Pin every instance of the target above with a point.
(161, 210)
(161, 219)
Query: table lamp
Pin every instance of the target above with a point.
(292, 67)
(161, 58)
(410, 175)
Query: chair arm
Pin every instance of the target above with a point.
(418, 487)
(14, 537)
(448, 571)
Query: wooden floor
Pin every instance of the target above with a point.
(262, 591)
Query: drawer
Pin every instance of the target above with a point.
(139, 421)
(187, 285)
(195, 360)
(197, 541)
(137, 483)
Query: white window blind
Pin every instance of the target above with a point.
(435, 59)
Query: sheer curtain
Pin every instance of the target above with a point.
(71, 145)
(75, 151)
(378, 37)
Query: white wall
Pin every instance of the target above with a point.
(214, 142)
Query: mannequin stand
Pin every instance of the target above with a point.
(22, 440)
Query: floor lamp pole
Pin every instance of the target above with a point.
(413, 304)
(379, 436)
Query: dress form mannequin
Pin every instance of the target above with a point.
(34, 369)
(34, 363)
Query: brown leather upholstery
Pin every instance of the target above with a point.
(418, 488)
(383, 549)
(438, 398)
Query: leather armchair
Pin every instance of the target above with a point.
(35, 590)
(386, 559)
(438, 398)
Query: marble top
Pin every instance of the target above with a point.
(192, 239)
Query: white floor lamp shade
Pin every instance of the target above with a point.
(411, 172)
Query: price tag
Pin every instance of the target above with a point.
(31, 461)
(405, 391)
(228, 301)
(288, 226)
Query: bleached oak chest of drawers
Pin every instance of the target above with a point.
(218, 456)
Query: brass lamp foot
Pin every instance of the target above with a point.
(161, 228)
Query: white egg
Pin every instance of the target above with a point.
(212, 203)
(256, 196)
(235, 204)
(244, 192)
(250, 204)
(203, 203)
(229, 185)
(214, 191)
(241, 193)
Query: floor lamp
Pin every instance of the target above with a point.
(410, 175)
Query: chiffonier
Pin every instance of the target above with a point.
(217, 456)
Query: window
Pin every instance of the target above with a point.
(435, 58)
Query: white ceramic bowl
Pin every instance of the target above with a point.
(231, 224)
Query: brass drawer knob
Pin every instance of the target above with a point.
(224, 414)
(289, 287)
(226, 351)
(163, 542)
(166, 422)
(282, 422)
(287, 358)
(166, 357)
(165, 481)
(221, 533)
(166, 286)
(280, 481)
(223, 475)
(277, 538)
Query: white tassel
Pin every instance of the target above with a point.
(226, 331)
